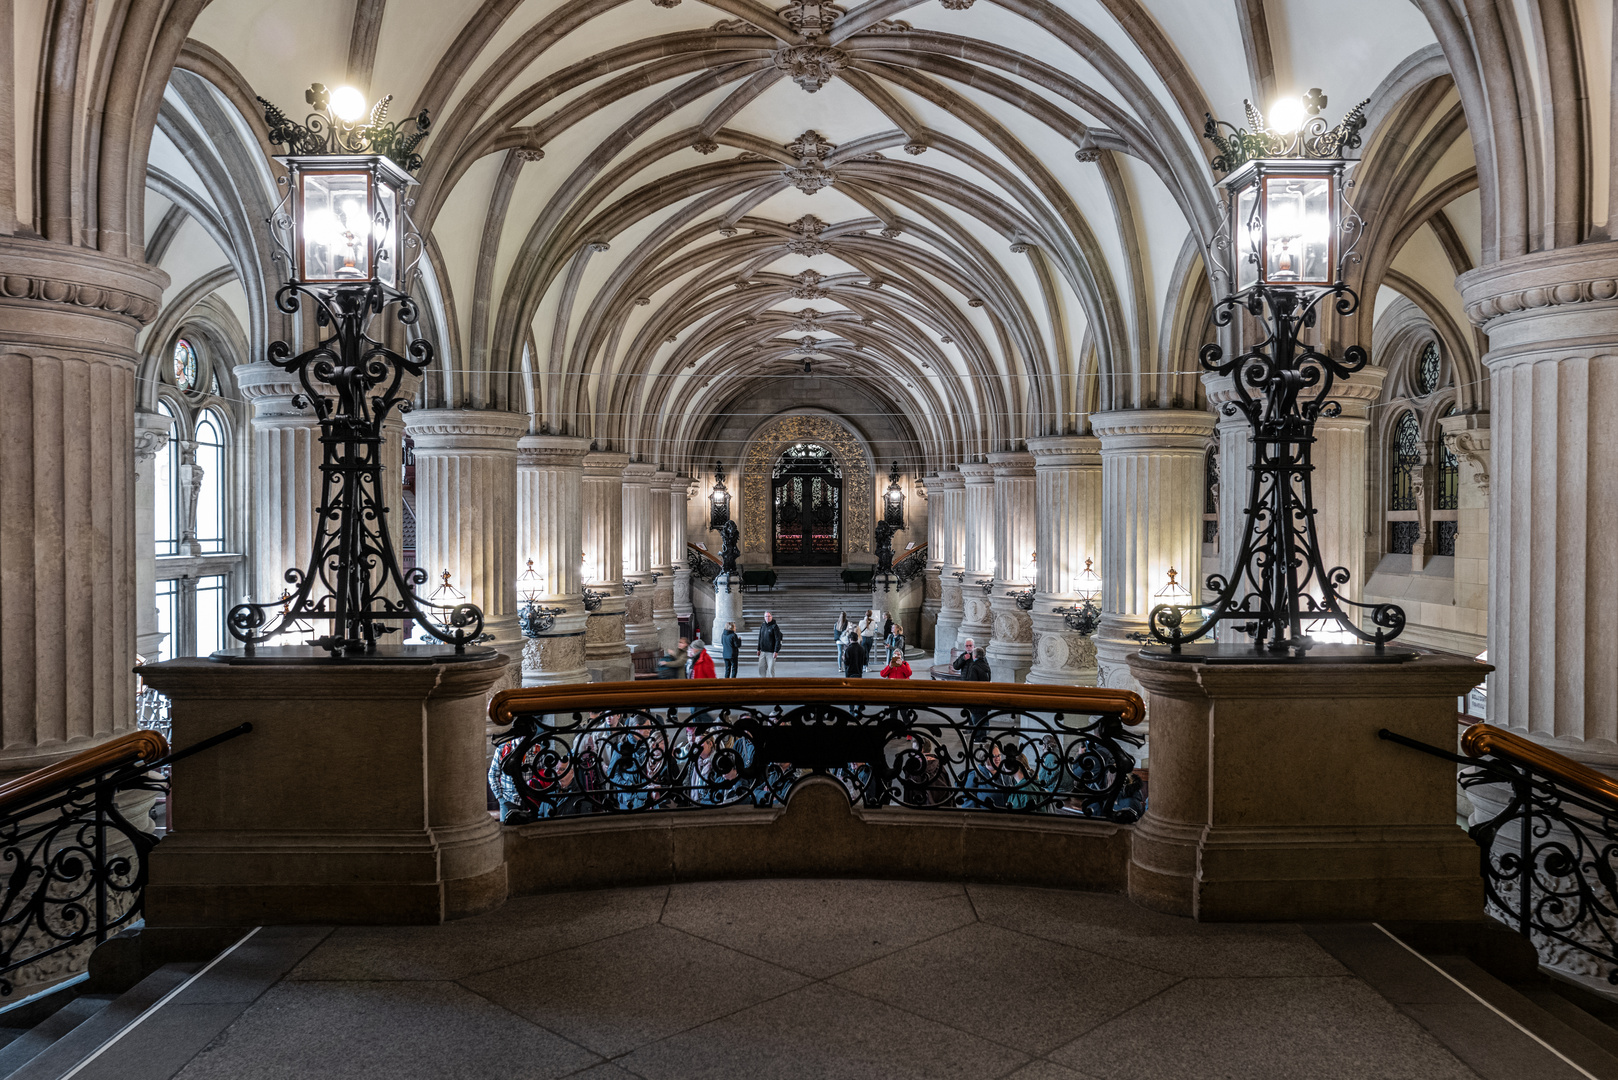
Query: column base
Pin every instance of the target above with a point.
(356, 798)
(1011, 647)
(1062, 657)
(1273, 798)
(556, 656)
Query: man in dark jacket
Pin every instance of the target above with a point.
(961, 662)
(769, 646)
(854, 658)
(731, 645)
(976, 670)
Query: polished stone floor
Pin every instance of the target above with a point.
(756, 980)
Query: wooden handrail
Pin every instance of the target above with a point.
(115, 753)
(667, 693)
(1481, 739)
(689, 546)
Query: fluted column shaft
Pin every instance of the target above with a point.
(286, 477)
(679, 496)
(949, 491)
(640, 628)
(1341, 458)
(466, 511)
(1011, 651)
(663, 617)
(1152, 464)
(977, 513)
(932, 593)
(1068, 495)
(550, 531)
(606, 654)
(151, 437)
(68, 321)
(1552, 321)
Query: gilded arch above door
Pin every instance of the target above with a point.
(767, 445)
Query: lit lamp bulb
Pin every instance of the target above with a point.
(347, 104)
(1286, 115)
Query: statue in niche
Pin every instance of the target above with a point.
(884, 547)
(730, 545)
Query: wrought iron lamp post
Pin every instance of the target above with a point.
(893, 500)
(343, 232)
(1291, 231)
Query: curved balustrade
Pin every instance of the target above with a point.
(1549, 855)
(621, 748)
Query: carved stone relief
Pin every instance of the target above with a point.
(858, 512)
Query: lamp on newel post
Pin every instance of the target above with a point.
(344, 236)
(1289, 234)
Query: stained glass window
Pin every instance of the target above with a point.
(1406, 459)
(1427, 376)
(185, 365)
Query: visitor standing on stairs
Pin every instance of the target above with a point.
(868, 628)
(730, 644)
(838, 633)
(854, 657)
(769, 646)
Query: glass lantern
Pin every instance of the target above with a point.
(718, 499)
(894, 500)
(1285, 222)
(346, 218)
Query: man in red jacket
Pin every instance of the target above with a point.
(701, 662)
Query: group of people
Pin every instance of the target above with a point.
(690, 659)
(856, 640)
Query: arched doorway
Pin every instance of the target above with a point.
(806, 499)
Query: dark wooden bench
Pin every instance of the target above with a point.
(752, 579)
(856, 576)
(645, 664)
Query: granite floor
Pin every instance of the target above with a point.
(758, 980)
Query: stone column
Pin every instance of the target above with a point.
(1011, 650)
(286, 476)
(466, 511)
(1467, 437)
(977, 518)
(606, 654)
(68, 321)
(640, 628)
(550, 531)
(949, 489)
(1068, 497)
(1151, 521)
(1341, 463)
(679, 494)
(1552, 321)
(932, 592)
(151, 437)
(663, 617)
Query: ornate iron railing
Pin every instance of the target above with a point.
(1549, 857)
(913, 565)
(613, 748)
(701, 564)
(76, 866)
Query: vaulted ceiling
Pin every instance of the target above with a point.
(981, 221)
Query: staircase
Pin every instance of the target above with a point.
(805, 601)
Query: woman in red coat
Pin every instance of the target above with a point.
(897, 667)
(701, 662)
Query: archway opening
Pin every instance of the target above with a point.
(806, 507)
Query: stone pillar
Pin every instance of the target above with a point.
(1467, 437)
(286, 477)
(1011, 649)
(1068, 497)
(663, 567)
(466, 511)
(949, 491)
(1151, 521)
(550, 531)
(306, 841)
(1552, 321)
(68, 320)
(606, 654)
(932, 592)
(640, 627)
(151, 437)
(1341, 459)
(1273, 798)
(977, 518)
(679, 494)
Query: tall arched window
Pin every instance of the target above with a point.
(165, 475)
(210, 459)
(1404, 531)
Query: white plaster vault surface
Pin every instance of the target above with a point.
(787, 978)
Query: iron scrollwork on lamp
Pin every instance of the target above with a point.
(343, 232)
(893, 500)
(1083, 618)
(1291, 232)
(533, 617)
